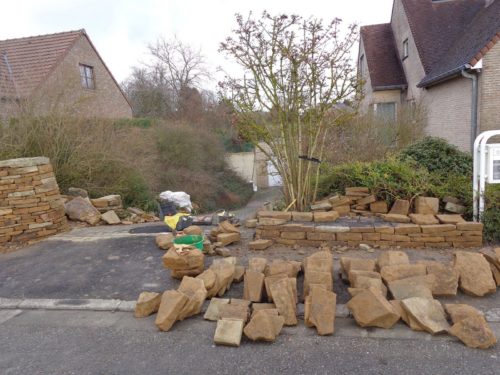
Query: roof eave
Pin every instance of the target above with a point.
(390, 87)
(442, 77)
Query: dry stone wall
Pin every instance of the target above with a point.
(30, 203)
(280, 230)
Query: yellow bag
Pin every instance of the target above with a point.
(172, 221)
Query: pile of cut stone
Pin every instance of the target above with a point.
(269, 299)
(108, 209)
(413, 288)
(360, 201)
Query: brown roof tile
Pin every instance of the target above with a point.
(381, 56)
(32, 59)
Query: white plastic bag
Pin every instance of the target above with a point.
(179, 198)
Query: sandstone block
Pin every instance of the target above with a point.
(213, 310)
(416, 286)
(228, 332)
(285, 301)
(402, 271)
(400, 207)
(322, 217)
(312, 277)
(264, 327)
(428, 313)
(260, 244)
(446, 284)
(147, 304)
(270, 221)
(321, 206)
(438, 229)
(275, 215)
(234, 311)
(371, 309)
(348, 236)
(459, 311)
(226, 239)
(396, 218)
(172, 303)
(379, 207)
(456, 208)
(251, 223)
(256, 307)
(111, 218)
(476, 278)
(209, 279)
(302, 216)
(407, 229)
(257, 264)
(193, 230)
(474, 332)
(253, 285)
(164, 240)
(81, 210)
(421, 219)
(392, 258)
(410, 322)
(450, 219)
(320, 310)
(195, 290)
(366, 200)
(470, 226)
(239, 273)
(342, 210)
(357, 264)
(426, 205)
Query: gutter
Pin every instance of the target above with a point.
(442, 77)
(390, 87)
(474, 99)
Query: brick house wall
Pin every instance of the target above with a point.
(63, 90)
(489, 91)
(412, 66)
(448, 108)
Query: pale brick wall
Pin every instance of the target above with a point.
(367, 85)
(489, 91)
(63, 89)
(414, 71)
(449, 111)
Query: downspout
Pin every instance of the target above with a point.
(474, 104)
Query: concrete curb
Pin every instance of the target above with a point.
(492, 316)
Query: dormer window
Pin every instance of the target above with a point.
(87, 76)
(405, 49)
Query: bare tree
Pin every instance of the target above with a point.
(182, 66)
(296, 72)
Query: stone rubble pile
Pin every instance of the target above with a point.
(108, 209)
(413, 288)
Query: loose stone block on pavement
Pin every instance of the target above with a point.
(228, 332)
(476, 278)
(148, 303)
(429, 314)
(285, 300)
(320, 307)
(189, 262)
(195, 290)
(474, 332)
(213, 310)
(371, 309)
(265, 325)
(164, 240)
(402, 271)
(253, 286)
(172, 303)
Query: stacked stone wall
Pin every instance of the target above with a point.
(30, 202)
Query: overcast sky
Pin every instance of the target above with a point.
(121, 29)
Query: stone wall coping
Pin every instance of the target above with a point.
(24, 162)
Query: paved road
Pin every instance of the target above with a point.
(62, 342)
(112, 263)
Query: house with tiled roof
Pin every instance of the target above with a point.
(441, 54)
(61, 71)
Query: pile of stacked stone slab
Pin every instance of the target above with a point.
(30, 203)
(413, 288)
(104, 210)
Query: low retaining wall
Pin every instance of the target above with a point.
(466, 234)
(30, 202)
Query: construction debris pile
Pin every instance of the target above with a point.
(383, 291)
(105, 210)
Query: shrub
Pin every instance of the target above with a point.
(389, 180)
(437, 155)
(491, 215)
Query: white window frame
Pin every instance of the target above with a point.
(406, 48)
